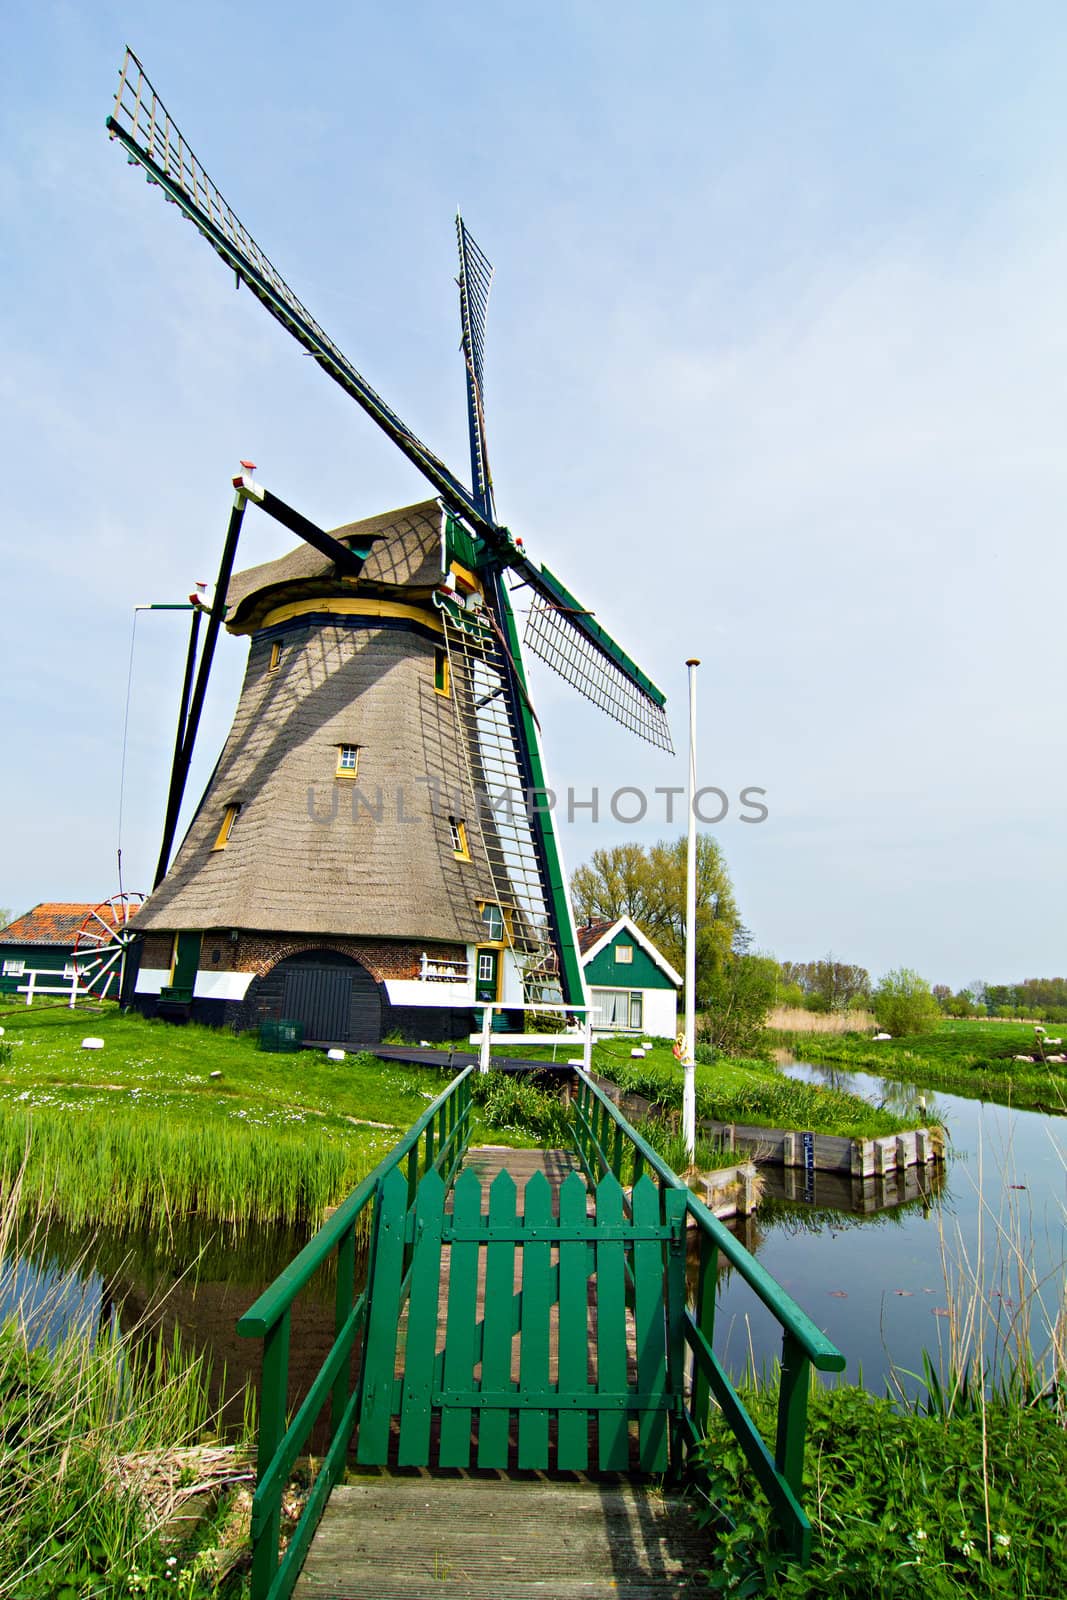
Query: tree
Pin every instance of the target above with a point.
(903, 1003)
(827, 985)
(739, 995)
(5, 916)
(648, 885)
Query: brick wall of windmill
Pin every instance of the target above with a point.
(260, 954)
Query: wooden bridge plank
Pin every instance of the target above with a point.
(611, 1354)
(487, 1539)
(494, 1425)
(463, 1264)
(650, 1327)
(421, 1349)
(572, 1440)
(536, 1316)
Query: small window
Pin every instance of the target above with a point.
(458, 830)
(441, 679)
(14, 969)
(347, 760)
(636, 1009)
(229, 817)
(624, 954)
(486, 967)
(275, 657)
(493, 918)
(70, 970)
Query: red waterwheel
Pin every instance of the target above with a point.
(101, 943)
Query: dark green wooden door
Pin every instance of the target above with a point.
(555, 1343)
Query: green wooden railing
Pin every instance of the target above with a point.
(437, 1142)
(606, 1143)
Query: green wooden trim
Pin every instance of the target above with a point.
(500, 1314)
(572, 1436)
(541, 819)
(535, 1331)
(649, 1329)
(613, 1433)
(460, 1328)
(379, 1351)
(421, 1344)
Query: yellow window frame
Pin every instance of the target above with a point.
(442, 675)
(460, 845)
(229, 817)
(347, 772)
(275, 656)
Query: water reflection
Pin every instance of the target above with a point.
(195, 1280)
(981, 1238)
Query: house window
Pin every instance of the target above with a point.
(70, 970)
(275, 657)
(458, 830)
(441, 675)
(493, 918)
(14, 969)
(486, 967)
(624, 954)
(347, 760)
(618, 1008)
(229, 816)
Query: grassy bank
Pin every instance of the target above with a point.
(749, 1091)
(141, 1130)
(100, 1442)
(973, 1057)
(904, 1503)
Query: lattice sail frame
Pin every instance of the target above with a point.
(489, 736)
(475, 282)
(552, 636)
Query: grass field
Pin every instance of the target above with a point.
(974, 1057)
(141, 1128)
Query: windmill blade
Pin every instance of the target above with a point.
(569, 639)
(152, 140)
(475, 281)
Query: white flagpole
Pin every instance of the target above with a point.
(689, 1089)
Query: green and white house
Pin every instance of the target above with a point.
(632, 987)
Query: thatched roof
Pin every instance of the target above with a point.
(407, 553)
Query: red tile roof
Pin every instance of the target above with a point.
(53, 922)
(588, 936)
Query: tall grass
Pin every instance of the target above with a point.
(103, 1166)
(796, 1019)
(94, 1433)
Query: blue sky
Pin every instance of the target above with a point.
(775, 377)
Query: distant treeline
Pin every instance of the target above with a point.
(1041, 999)
(830, 985)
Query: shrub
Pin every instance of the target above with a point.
(904, 1004)
(899, 1503)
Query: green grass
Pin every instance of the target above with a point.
(140, 1130)
(747, 1091)
(975, 1057)
(85, 1429)
(903, 1504)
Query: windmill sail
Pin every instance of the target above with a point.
(475, 281)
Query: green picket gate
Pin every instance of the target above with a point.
(498, 1337)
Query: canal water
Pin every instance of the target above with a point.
(981, 1245)
(983, 1238)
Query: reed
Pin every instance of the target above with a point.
(117, 1165)
(96, 1432)
(795, 1019)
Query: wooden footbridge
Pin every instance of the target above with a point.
(512, 1403)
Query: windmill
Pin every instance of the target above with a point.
(393, 641)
